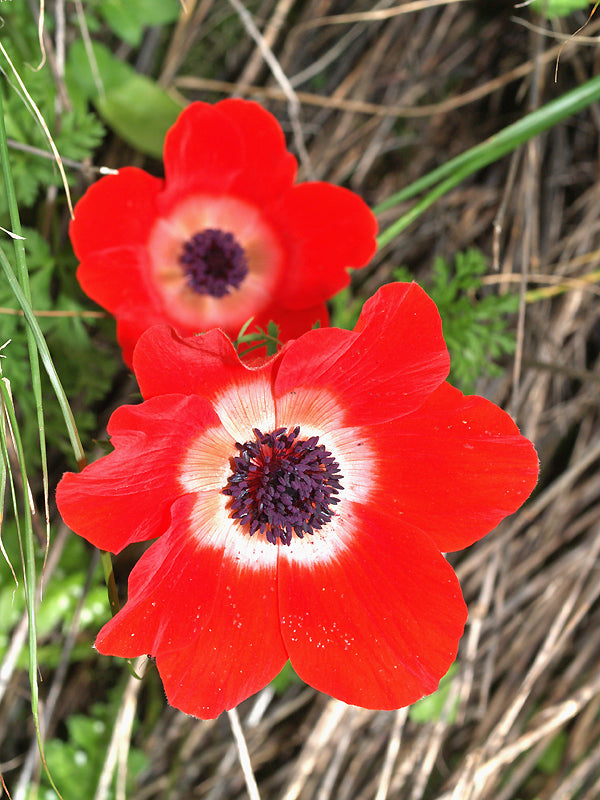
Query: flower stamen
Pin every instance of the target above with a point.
(214, 262)
(281, 485)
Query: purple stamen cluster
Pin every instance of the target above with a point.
(214, 262)
(281, 485)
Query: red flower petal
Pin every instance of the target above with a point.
(203, 152)
(118, 210)
(129, 331)
(126, 496)
(227, 170)
(376, 624)
(328, 228)
(386, 368)
(365, 606)
(233, 147)
(203, 365)
(459, 466)
(116, 279)
(269, 170)
(209, 366)
(203, 600)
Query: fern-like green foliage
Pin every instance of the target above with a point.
(76, 133)
(86, 373)
(476, 324)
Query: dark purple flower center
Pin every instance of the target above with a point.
(214, 262)
(281, 485)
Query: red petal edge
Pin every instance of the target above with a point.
(116, 211)
(164, 361)
(454, 467)
(395, 358)
(269, 170)
(378, 624)
(208, 614)
(203, 153)
(126, 496)
(328, 229)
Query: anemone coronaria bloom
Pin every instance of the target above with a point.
(226, 236)
(301, 506)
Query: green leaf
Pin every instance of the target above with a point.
(135, 107)
(475, 321)
(286, 678)
(81, 74)
(558, 8)
(77, 763)
(140, 112)
(552, 757)
(431, 708)
(128, 18)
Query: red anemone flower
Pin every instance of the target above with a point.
(301, 508)
(225, 237)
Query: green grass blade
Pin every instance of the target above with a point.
(430, 198)
(46, 358)
(20, 261)
(6, 477)
(37, 347)
(23, 273)
(500, 144)
(25, 539)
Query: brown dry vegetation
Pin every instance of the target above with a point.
(374, 101)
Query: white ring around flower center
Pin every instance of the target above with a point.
(207, 467)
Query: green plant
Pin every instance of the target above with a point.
(558, 8)
(72, 339)
(76, 132)
(76, 763)
(476, 324)
(434, 707)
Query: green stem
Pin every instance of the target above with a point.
(430, 198)
(500, 144)
(111, 586)
(28, 549)
(46, 358)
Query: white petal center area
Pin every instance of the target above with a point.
(318, 412)
(204, 473)
(230, 215)
(208, 465)
(211, 526)
(246, 405)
